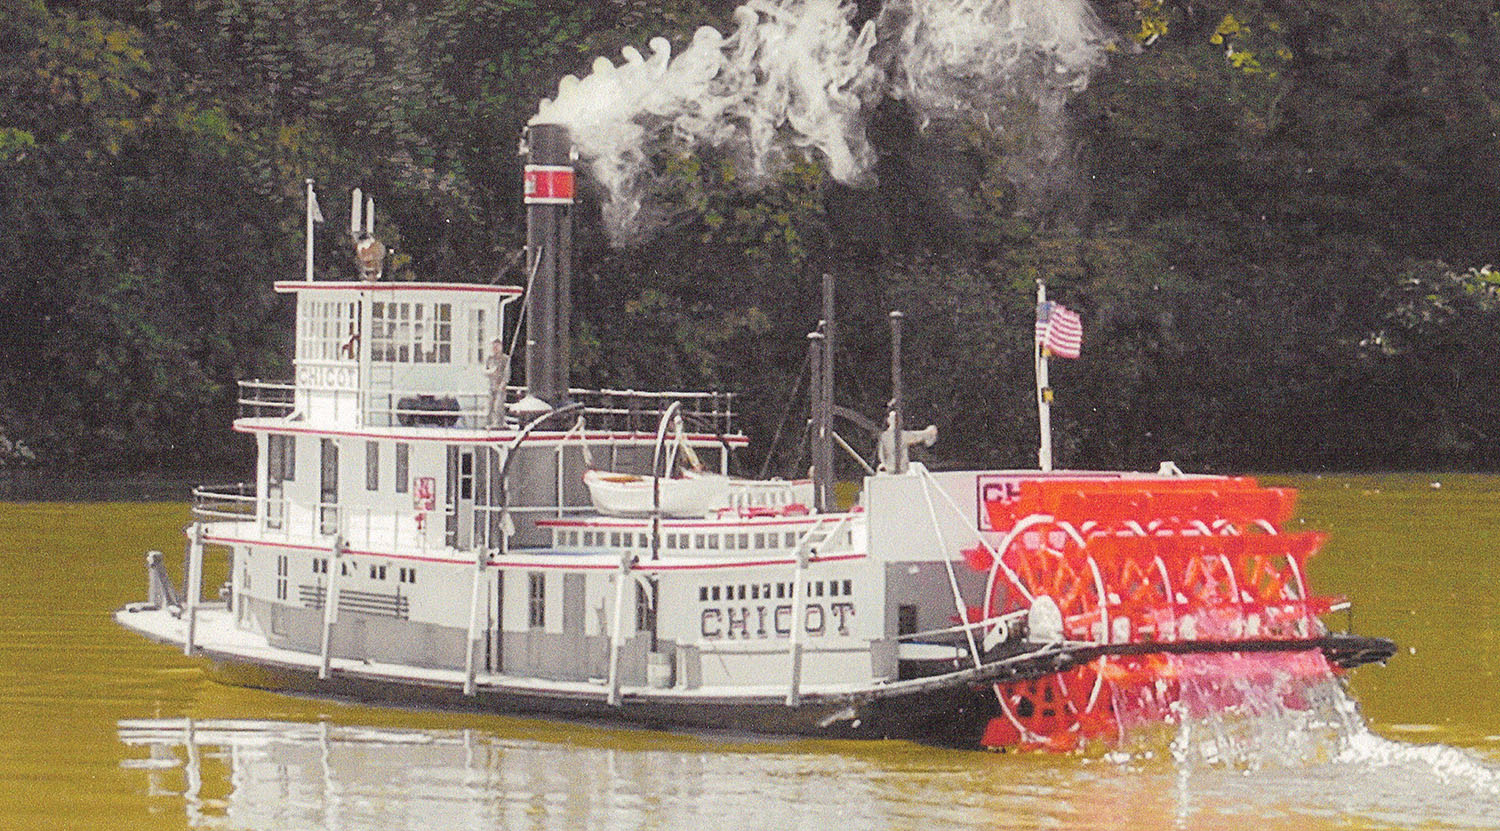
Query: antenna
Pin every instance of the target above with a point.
(370, 215)
(357, 203)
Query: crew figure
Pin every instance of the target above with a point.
(497, 369)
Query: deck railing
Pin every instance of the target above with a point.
(614, 410)
(281, 518)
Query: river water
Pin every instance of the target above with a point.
(99, 729)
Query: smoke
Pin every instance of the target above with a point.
(797, 75)
(960, 57)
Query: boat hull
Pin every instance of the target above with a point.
(954, 709)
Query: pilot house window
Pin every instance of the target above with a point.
(328, 331)
(411, 333)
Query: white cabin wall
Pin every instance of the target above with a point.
(901, 527)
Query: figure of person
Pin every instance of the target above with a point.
(497, 369)
(369, 255)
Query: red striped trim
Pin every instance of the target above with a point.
(641, 566)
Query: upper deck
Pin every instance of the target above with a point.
(412, 357)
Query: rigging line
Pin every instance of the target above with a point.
(785, 415)
(525, 314)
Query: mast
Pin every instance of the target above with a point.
(899, 457)
(549, 246)
(1043, 391)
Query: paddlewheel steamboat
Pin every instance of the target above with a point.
(420, 531)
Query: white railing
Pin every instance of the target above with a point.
(369, 528)
(604, 409)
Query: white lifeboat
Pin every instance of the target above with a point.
(694, 494)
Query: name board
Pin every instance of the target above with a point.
(765, 622)
(1003, 490)
(325, 377)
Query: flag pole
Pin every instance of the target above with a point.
(310, 198)
(1043, 391)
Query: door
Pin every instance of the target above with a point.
(328, 491)
(464, 505)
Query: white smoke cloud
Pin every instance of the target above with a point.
(796, 74)
(967, 56)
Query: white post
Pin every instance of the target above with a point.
(617, 634)
(356, 213)
(1043, 391)
(193, 587)
(480, 558)
(799, 621)
(331, 604)
(370, 215)
(310, 198)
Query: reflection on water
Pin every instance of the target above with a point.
(275, 775)
(100, 729)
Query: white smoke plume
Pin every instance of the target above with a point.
(969, 56)
(796, 74)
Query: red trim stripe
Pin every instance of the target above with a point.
(642, 566)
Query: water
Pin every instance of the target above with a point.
(99, 729)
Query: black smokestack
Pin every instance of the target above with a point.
(549, 242)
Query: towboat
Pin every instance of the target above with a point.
(416, 535)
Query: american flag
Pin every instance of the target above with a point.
(1059, 330)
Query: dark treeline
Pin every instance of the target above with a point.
(1272, 216)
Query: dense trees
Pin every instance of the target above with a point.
(1272, 216)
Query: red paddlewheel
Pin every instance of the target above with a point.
(1048, 559)
(1055, 712)
(1138, 594)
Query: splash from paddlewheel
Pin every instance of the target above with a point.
(1142, 561)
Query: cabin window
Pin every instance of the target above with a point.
(760, 541)
(744, 540)
(703, 594)
(537, 600)
(403, 466)
(481, 339)
(327, 330)
(642, 609)
(614, 539)
(833, 588)
(729, 541)
(713, 542)
(466, 476)
(780, 591)
(906, 619)
(281, 463)
(643, 540)
(848, 587)
(372, 465)
(377, 572)
(715, 592)
(742, 592)
(791, 539)
(417, 333)
(281, 573)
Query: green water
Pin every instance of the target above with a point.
(99, 729)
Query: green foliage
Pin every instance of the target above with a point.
(1252, 208)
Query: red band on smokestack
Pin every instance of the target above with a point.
(549, 184)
